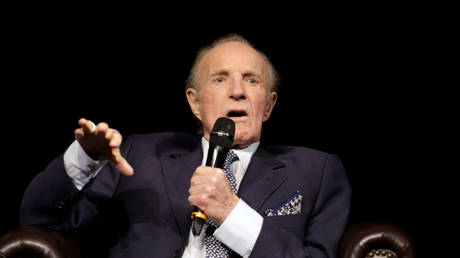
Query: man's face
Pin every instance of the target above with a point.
(233, 82)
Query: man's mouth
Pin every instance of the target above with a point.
(236, 114)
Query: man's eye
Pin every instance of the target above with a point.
(220, 80)
(252, 81)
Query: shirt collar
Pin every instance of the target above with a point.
(244, 155)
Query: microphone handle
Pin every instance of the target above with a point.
(216, 158)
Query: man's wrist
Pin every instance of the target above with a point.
(79, 166)
(233, 205)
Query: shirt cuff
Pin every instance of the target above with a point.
(79, 166)
(240, 229)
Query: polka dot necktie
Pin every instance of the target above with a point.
(214, 248)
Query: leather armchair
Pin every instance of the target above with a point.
(362, 240)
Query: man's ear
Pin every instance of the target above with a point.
(193, 101)
(270, 104)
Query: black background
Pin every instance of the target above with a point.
(357, 84)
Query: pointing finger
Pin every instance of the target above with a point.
(116, 140)
(121, 164)
(109, 134)
(124, 167)
(101, 129)
(79, 133)
(87, 125)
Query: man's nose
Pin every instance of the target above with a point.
(237, 90)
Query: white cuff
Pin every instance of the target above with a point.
(79, 166)
(240, 229)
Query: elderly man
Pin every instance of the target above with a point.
(135, 199)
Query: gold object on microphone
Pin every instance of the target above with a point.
(199, 214)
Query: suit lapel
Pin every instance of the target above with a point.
(177, 171)
(262, 178)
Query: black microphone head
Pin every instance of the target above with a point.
(223, 132)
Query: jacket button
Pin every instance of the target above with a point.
(61, 203)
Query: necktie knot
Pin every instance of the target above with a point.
(231, 157)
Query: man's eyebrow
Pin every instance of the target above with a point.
(251, 73)
(220, 72)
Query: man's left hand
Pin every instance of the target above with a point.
(210, 191)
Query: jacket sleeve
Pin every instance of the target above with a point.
(324, 227)
(52, 200)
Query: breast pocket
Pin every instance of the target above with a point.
(291, 223)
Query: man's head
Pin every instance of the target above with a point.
(231, 78)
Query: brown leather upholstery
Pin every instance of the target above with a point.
(362, 240)
(376, 240)
(38, 242)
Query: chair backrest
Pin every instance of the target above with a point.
(376, 240)
(38, 242)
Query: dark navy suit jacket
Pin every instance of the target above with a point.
(148, 215)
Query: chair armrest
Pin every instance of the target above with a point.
(376, 240)
(38, 242)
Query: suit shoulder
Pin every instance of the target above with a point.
(286, 150)
(300, 155)
(305, 163)
(164, 142)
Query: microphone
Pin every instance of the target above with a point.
(220, 142)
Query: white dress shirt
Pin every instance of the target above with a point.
(240, 229)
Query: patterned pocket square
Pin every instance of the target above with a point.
(291, 206)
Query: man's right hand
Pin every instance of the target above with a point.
(103, 141)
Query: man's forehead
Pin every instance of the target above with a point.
(232, 56)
